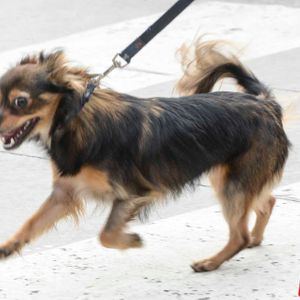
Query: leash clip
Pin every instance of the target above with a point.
(117, 63)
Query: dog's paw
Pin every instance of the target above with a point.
(121, 241)
(129, 240)
(9, 249)
(254, 242)
(134, 240)
(205, 265)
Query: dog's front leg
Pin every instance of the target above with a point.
(113, 235)
(61, 203)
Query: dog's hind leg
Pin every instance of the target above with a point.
(236, 213)
(236, 208)
(263, 212)
(60, 204)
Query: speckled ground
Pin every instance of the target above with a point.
(85, 270)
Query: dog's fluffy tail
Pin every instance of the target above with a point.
(204, 63)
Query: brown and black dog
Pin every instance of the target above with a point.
(135, 151)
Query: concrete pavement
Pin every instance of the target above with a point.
(85, 270)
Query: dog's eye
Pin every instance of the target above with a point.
(21, 102)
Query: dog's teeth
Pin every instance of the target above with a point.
(10, 142)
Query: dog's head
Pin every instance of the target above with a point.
(37, 95)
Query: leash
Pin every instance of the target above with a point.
(121, 60)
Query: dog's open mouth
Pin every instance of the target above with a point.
(14, 138)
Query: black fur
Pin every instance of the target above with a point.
(188, 137)
(244, 78)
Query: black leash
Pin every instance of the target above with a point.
(122, 59)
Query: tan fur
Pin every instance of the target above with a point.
(14, 93)
(263, 213)
(11, 122)
(46, 115)
(155, 109)
(55, 171)
(65, 200)
(217, 178)
(236, 210)
(60, 204)
(113, 234)
(196, 60)
(92, 180)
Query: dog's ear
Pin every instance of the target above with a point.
(52, 67)
(52, 62)
(61, 76)
(55, 65)
(61, 72)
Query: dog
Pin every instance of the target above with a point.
(134, 152)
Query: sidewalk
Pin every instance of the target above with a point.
(85, 270)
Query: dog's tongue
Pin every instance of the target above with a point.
(7, 136)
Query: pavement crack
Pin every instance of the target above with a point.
(26, 155)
